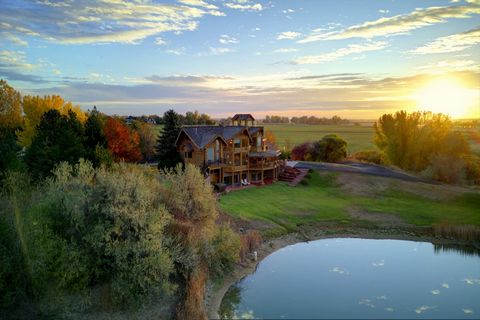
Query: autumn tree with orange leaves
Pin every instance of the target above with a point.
(123, 143)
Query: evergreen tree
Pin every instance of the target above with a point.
(57, 138)
(95, 141)
(168, 156)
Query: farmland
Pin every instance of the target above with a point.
(357, 137)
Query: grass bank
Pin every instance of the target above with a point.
(351, 199)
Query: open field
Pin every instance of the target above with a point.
(357, 137)
(342, 199)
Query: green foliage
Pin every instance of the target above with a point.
(331, 148)
(225, 246)
(191, 195)
(57, 138)
(9, 150)
(167, 154)
(86, 230)
(95, 142)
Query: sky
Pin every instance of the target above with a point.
(357, 59)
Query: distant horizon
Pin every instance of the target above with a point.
(320, 58)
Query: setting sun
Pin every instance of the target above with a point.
(449, 97)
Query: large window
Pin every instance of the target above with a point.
(259, 141)
(210, 154)
(236, 143)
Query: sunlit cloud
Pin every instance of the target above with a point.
(340, 53)
(288, 35)
(396, 25)
(198, 3)
(450, 65)
(468, 311)
(422, 309)
(435, 292)
(243, 5)
(445, 285)
(107, 21)
(453, 43)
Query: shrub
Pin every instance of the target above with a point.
(371, 156)
(445, 168)
(331, 148)
(99, 227)
(300, 152)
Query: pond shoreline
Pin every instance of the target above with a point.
(216, 292)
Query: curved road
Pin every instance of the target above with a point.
(356, 167)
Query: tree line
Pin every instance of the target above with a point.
(335, 120)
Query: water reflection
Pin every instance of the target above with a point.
(360, 278)
(463, 250)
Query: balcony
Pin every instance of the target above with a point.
(216, 163)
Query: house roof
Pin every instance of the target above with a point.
(203, 135)
(243, 116)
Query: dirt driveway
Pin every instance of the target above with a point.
(357, 167)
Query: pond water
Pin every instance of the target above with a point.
(359, 278)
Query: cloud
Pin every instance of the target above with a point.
(450, 65)
(218, 51)
(290, 35)
(435, 292)
(382, 297)
(340, 53)
(285, 50)
(243, 5)
(395, 25)
(14, 39)
(288, 11)
(347, 95)
(389, 309)
(104, 21)
(453, 43)
(381, 263)
(445, 285)
(159, 41)
(226, 39)
(383, 11)
(177, 52)
(468, 311)
(339, 271)
(366, 302)
(198, 3)
(471, 281)
(422, 309)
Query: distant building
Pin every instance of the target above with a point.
(230, 154)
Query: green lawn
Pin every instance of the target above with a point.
(286, 208)
(357, 137)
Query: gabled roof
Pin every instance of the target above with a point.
(243, 116)
(201, 136)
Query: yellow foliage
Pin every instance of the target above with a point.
(35, 106)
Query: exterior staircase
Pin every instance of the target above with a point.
(292, 175)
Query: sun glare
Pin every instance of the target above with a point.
(449, 97)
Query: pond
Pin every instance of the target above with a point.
(359, 278)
